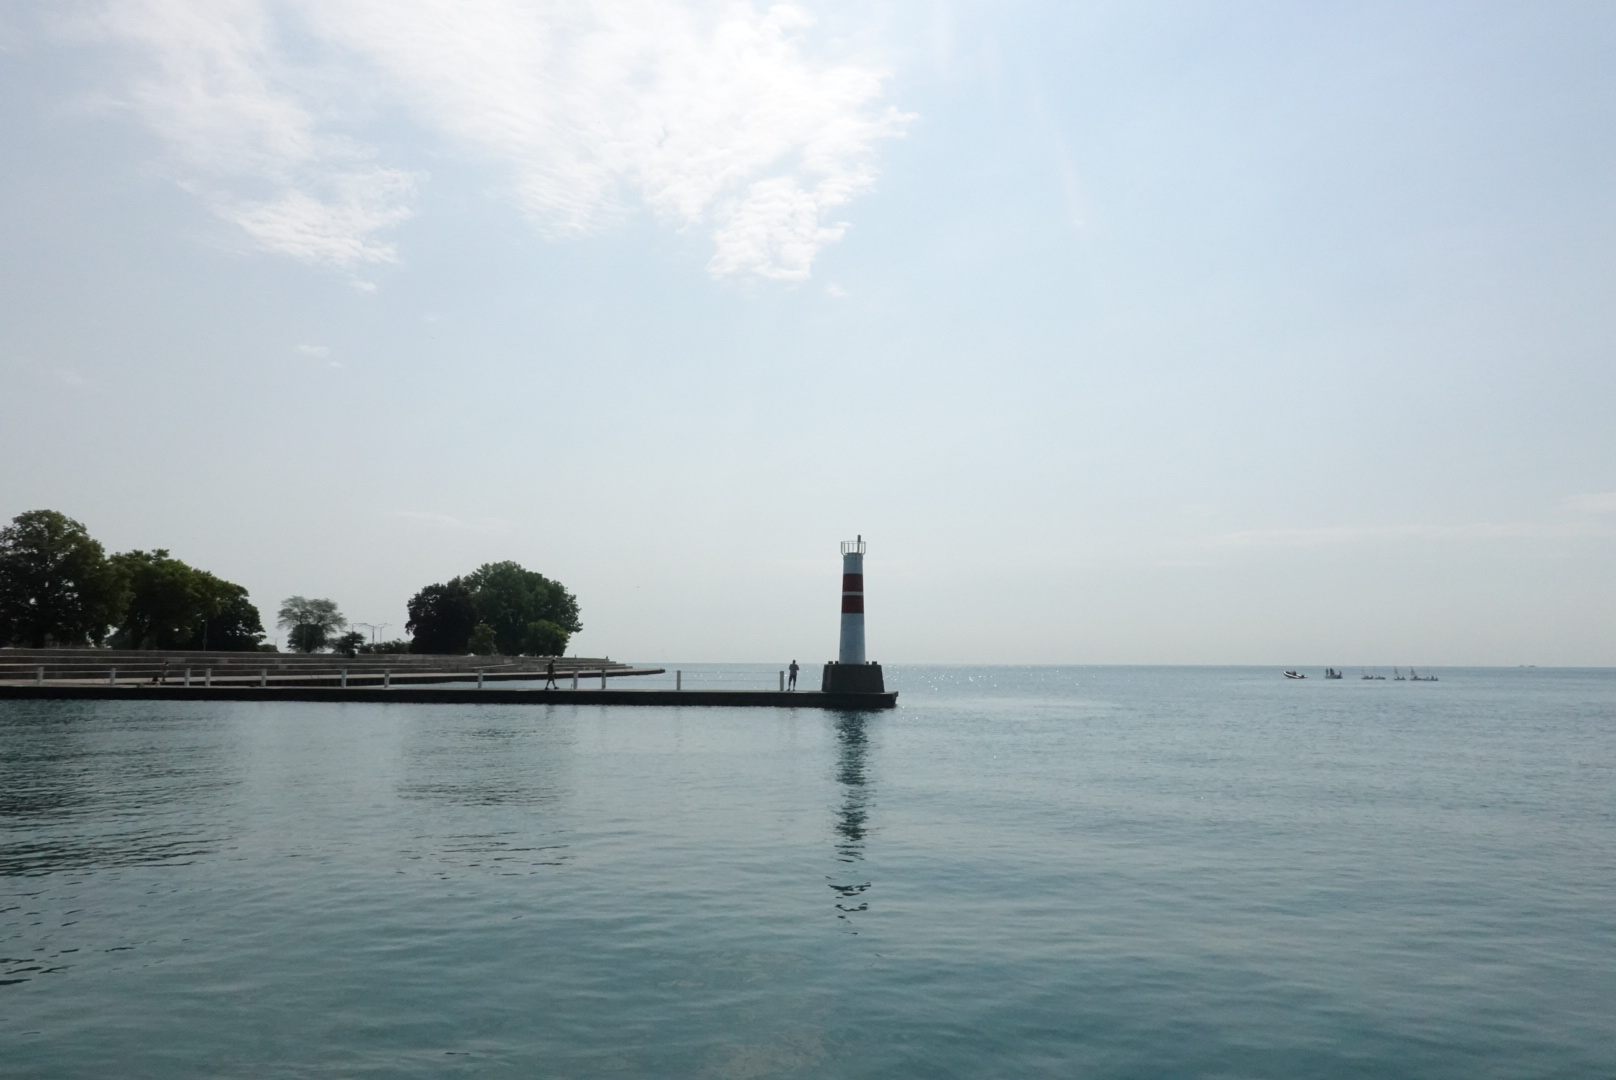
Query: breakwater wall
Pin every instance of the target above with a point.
(423, 695)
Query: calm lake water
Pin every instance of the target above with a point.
(1021, 872)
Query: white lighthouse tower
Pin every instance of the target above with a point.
(852, 651)
(850, 673)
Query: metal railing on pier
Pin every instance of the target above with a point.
(724, 677)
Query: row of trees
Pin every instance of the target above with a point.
(500, 608)
(59, 587)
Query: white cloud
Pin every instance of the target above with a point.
(714, 114)
(335, 228)
(214, 84)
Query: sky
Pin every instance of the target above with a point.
(1136, 332)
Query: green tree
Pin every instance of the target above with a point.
(172, 605)
(545, 638)
(171, 602)
(349, 644)
(482, 641)
(57, 586)
(442, 618)
(309, 623)
(510, 599)
(231, 624)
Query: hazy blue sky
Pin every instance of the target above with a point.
(1124, 332)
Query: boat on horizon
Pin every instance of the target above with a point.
(1294, 675)
(1331, 673)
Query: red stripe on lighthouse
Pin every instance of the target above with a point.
(852, 603)
(852, 582)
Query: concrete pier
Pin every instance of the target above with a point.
(444, 695)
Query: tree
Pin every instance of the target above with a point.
(442, 618)
(57, 586)
(349, 644)
(172, 605)
(482, 641)
(163, 602)
(232, 624)
(545, 638)
(169, 601)
(510, 599)
(309, 623)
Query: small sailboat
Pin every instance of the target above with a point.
(1397, 676)
(1331, 673)
(1420, 678)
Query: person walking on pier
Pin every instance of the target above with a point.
(791, 684)
(549, 676)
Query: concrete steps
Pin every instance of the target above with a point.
(99, 665)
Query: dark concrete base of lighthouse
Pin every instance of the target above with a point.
(852, 679)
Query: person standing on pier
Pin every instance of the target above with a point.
(791, 684)
(549, 676)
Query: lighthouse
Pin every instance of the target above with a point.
(852, 650)
(850, 673)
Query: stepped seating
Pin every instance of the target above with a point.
(284, 669)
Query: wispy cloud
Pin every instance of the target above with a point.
(1358, 534)
(715, 114)
(215, 84)
(1603, 503)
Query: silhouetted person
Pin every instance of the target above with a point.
(549, 676)
(791, 683)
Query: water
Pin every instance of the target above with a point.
(1063, 872)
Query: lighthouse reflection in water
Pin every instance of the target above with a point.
(852, 817)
